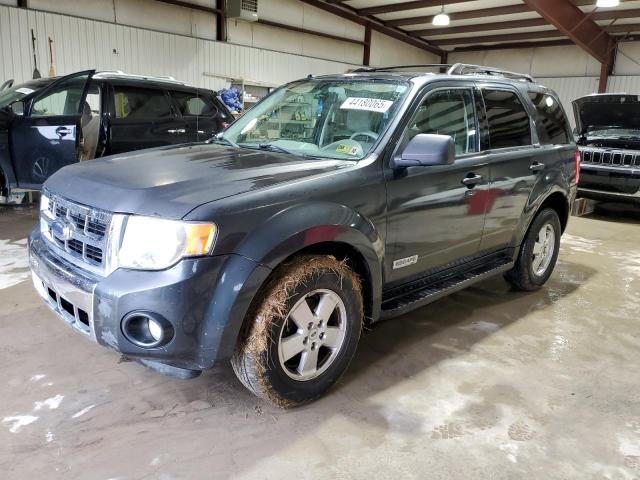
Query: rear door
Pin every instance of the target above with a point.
(143, 117)
(202, 113)
(46, 138)
(515, 158)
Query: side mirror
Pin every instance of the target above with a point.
(425, 150)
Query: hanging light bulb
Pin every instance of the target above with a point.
(607, 3)
(441, 19)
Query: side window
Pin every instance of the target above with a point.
(551, 120)
(193, 105)
(62, 100)
(508, 121)
(140, 103)
(448, 112)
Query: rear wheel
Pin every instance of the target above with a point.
(302, 333)
(538, 253)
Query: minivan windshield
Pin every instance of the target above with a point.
(340, 119)
(18, 92)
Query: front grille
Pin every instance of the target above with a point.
(84, 232)
(622, 158)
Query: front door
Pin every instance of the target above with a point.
(46, 138)
(436, 214)
(143, 117)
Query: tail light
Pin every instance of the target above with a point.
(577, 167)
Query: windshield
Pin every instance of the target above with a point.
(18, 92)
(332, 119)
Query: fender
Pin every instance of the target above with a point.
(303, 225)
(540, 193)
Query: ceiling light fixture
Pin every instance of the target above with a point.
(442, 19)
(607, 3)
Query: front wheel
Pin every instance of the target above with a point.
(302, 333)
(538, 253)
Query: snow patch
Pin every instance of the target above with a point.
(19, 421)
(14, 263)
(82, 412)
(51, 403)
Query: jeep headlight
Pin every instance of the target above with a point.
(155, 244)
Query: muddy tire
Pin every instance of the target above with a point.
(538, 253)
(302, 332)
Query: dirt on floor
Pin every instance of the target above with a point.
(487, 383)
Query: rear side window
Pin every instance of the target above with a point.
(138, 103)
(194, 105)
(507, 118)
(448, 112)
(551, 120)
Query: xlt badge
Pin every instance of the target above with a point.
(405, 262)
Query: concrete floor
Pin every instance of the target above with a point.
(487, 383)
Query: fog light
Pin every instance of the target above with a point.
(146, 329)
(155, 329)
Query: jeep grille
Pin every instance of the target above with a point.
(608, 157)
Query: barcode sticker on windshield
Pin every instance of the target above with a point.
(24, 90)
(370, 104)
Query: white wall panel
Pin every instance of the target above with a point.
(628, 59)
(624, 84)
(389, 51)
(83, 44)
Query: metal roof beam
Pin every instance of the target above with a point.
(355, 16)
(576, 25)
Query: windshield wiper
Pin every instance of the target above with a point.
(223, 140)
(275, 148)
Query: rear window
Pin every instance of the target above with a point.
(194, 105)
(508, 120)
(137, 103)
(552, 124)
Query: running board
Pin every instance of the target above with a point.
(400, 305)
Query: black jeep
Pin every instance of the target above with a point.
(609, 141)
(48, 123)
(336, 201)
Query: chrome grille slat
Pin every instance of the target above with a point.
(610, 157)
(87, 244)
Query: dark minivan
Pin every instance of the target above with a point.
(49, 123)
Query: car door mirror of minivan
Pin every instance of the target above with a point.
(425, 150)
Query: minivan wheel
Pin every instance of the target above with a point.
(538, 254)
(302, 332)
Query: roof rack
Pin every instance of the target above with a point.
(120, 73)
(468, 69)
(455, 69)
(401, 67)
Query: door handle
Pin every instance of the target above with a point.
(472, 181)
(177, 131)
(62, 131)
(537, 167)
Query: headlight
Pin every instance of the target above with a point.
(155, 244)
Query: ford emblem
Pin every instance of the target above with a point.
(62, 231)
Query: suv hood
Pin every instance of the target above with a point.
(610, 110)
(171, 181)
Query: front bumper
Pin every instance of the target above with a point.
(205, 300)
(610, 183)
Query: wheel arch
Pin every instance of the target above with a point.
(559, 202)
(322, 228)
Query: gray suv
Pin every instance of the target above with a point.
(334, 203)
